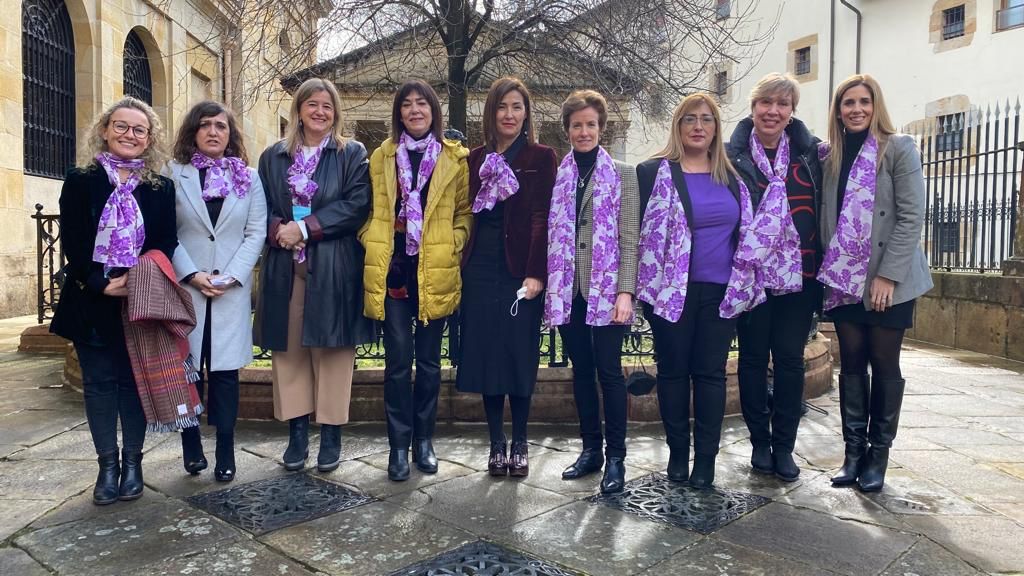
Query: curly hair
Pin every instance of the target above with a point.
(154, 156)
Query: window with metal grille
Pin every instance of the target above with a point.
(802, 61)
(953, 22)
(723, 10)
(721, 84)
(138, 82)
(948, 236)
(950, 134)
(48, 72)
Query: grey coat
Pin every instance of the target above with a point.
(629, 233)
(896, 251)
(230, 248)
(333, 314)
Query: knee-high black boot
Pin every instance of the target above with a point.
(853, 407)
(886, 401)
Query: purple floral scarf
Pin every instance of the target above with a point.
(497, 182)
(412, 207)
(664, 254)
(604, 272)
(121, 231)
(302, 185)
(222, 176)
(844, 271)
(773, 247)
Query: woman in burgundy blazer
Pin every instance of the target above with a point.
(505, 268)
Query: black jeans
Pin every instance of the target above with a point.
(110, 391)
(411, 409)
(776, 329)
(696, 347)
(222, 399)
(597, 348)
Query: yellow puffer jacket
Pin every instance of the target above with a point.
(446, 223)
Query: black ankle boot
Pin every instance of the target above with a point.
(423, 455)
(330, 448)
(105, 491)
(131, 475)
(298, 444)
(853, 408)
(398, 465)
(703, 475)
(614, 475)
(225, 469)
(678, 465)
(761, 459)
(192, 451)
(785, 467)
(588, 462)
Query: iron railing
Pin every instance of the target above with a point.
(49, 263)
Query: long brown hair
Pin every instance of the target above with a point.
(881, 126)
(499, 88)
(673, 151)
(154, 156)
(293, 134)
(427, 92)
(185, 141)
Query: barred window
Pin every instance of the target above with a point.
(953, 22)
(951, 133)
(802, 61)
(48, 61)
(138, 82)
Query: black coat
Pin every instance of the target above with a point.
(333, 314)
(84, 314)
(802, 145)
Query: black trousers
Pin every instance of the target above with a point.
(777, 329)
(696, 347)
(110, 393)
(221, 385)
(597, 349)
(411, 409)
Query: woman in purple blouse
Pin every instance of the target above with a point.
(696, 213)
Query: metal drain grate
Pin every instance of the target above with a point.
(656, 498)
(267, 505)
(483, 559)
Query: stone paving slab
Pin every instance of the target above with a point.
(963, 475)
(17, 562)
(164, 471)
(818, 539)
(373, 480)
(1010, 510)
(907, 493)
(733, 471)
(44, 479)
(821, 452)
(843, 503)
(28, 427)
(130, 539)
(546, 472)
(965, 405)
(990, 453)
(446, 470)
(16, 514)
(377, 538)
(80, 507)
(77, 445)
(1000, 424)
(596, 539)
(13, 400)
(927, 557)
(965, 437)
(235, 558)
(992, 543)
(713, 556)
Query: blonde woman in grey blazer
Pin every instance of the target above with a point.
(872, 180)
(222, 226)
(586, 231)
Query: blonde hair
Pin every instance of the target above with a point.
(881, 126)
(293, 133)
(154, 156)
(673, 151)
(774, 84)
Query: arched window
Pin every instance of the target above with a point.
(48, 64)
(138, 81)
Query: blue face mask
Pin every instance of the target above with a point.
(520, 294)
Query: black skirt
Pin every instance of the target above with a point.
(499, 352)
(900, 316)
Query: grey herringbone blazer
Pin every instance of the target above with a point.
(629, 233)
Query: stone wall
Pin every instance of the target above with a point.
(979, 312)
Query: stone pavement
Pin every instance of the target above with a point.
(953, 503)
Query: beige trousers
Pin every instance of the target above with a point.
(310, 380)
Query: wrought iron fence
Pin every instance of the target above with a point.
(49, 263)
(972, 170)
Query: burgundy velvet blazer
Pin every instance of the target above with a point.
(526, 212)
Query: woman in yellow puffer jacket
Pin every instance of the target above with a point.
(414, 238)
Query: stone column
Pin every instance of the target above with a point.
(1014, 266)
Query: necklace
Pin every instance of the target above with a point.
(581, 182)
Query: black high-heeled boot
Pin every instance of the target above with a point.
(886, 401)
(225, 469)
(192, 451)
(853, 409)
(131, 475)
(105, 491)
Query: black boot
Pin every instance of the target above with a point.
(398, 465)
(678, 465)
(105, 491)
(192, 451)
(423, 455)
(703, 475)
(131, 475)
(853, 408)
(298, 444)
(614, 475)
(330, 448)
(224, 471)
(784, 466)
(886, 401)
(761, 459)
(588, 462)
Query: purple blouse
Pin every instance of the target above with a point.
(713, 220)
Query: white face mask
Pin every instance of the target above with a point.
(520, 294)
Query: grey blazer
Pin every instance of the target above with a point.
(230, 248)
(896, 225)
(629, 233)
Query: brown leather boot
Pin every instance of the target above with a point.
(519, 461)
(497, 464)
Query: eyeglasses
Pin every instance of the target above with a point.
(121, 128)
(704, 119)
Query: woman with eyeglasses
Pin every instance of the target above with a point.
(504, 269)
(873, 269)
(222, 226)
(691, 279)
(777, 157)
(112, 210)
